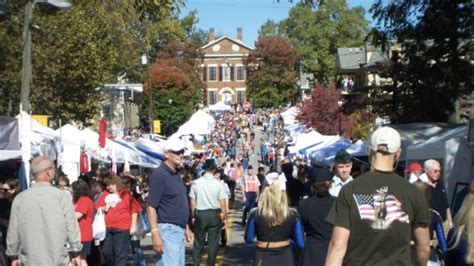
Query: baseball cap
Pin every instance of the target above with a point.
(342, 157)
(413, 167)
(385, 139)
(318, 174)
(174, 144)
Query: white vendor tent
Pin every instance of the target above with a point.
(451, 150)
(289, 116)
(325, 141)
(220, 107)
(200, 123)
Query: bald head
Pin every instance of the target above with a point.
(42, 169)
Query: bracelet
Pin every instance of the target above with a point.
(153, 230)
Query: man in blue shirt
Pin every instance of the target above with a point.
(168, 209)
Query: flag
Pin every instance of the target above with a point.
(368, 205)
(84, 163)
(102, 132)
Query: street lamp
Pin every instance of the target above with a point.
(170, 102)
(144, 61)
(26, 67)
(339, 105)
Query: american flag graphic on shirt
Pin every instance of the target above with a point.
(381, 209)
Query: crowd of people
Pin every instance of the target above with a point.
(294, 212)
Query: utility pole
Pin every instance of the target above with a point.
(26, 64)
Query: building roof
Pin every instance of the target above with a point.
(236, 41)
(353, 58)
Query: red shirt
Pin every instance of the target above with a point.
(85, 206)
(120, 216)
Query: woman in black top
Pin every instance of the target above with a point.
(313, 211)
(275, 225)
(461, 236)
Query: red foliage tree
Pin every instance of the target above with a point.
(321, 112)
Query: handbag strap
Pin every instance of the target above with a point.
(265, 250)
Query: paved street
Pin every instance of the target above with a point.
(236, 252)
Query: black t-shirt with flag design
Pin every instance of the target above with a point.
(380, 210)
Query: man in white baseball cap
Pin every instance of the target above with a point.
(168, 208)
(375, 215)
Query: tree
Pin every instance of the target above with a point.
(271, 72)
(76, 51)
(270, 28)
(322, 113)
(434, 65)
(175, 76)
(316, 31)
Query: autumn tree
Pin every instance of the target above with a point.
(322, 112)
(433, 67)
(271, 72)
(175, 76)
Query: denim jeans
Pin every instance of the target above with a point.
(115, 246)
(138, 258)
(173, 245)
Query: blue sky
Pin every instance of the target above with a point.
(226, 15)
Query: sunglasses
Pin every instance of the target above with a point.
(181, 152)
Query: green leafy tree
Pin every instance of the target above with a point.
(434, 65)
(272, 76)
(270, 28)
(75, 51)
(316, 31)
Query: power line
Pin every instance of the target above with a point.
(241, 4)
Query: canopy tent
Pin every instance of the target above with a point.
(124, 151)
(9, 138)
(324, 142)
(74, 139)
(295, 129)
(140, 158)
(289, 116)
(417, 132)
(151, 148)
(200, 123)
(220, 107)
(307, 139)
(321, 155)
(356, 149)
(452, 151)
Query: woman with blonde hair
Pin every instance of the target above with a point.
(275, 225)
(461, 236)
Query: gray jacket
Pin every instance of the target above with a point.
(42, 222)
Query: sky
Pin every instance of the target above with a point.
(226, 15)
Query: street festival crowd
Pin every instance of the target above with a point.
(294, 212)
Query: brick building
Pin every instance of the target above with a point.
(224, 72)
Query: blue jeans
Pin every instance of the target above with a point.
(173, 245)
(138, 258)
